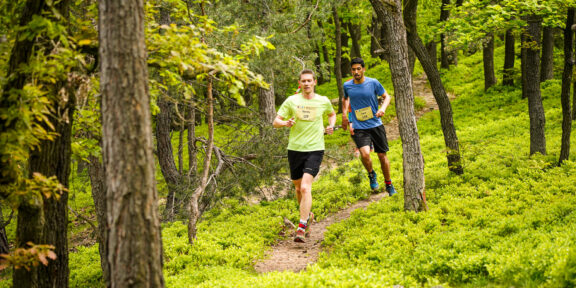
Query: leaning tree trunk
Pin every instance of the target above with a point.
(194, 204)
(391, 13)
(344, 61)
(488, 57)
(446, 119)
(532, 86)
(338, 58)
(547, 68)
(509, 55)
(134, 240)
(96, 173)
(166, 156)
(566, 81)
(432, 53)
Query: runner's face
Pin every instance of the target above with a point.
(307, 83)
(358, 71)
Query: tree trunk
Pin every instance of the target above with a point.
(374, 33)
(509, 55)
(566, 81)
(414, 197)
(355, 35)
(4, 245)
(134, 240)
(547, 69)
(20, 54)
(96, 173)
(488, 56)
(444, 53)
(181, 144)
(325, 55)
(338, 58)
(440, 95)
(194, 203)
(432, 53)
(266, 103)
(523, 60)
(192, 161)
(166, 156)
(345, 52)
(532, 86)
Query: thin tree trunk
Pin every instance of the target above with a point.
(166, 156)
(547, 68)
(325, 55)
(181, 146)
(96, 173)
(432, 53)
(413, 162)
(345, 59)
(440, 95)
(4, 245)
(444, 53)
(194, 209)
(509, 55)
(338, 58)
(532, 86)
(355, 34)
(488, 57)
(566, 80)
(192, 161)
(134, 240)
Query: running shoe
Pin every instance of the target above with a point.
(390, 189)
(308, 224)
(373, 182)
(300, 236)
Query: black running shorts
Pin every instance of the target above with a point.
(304, 162)
(376, 135)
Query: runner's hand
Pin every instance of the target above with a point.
(351, 131)
(345, 123)
(380, 113)
(290, 122)
(329, 130)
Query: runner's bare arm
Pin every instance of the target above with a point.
(345, 104)
(331, 123)
(382, 109)
(279, 122)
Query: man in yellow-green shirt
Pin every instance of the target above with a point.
(303, 114)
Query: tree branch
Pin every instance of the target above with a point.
(308, 19)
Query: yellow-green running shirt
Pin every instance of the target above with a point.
(307, 134)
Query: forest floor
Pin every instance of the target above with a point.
(289, 255)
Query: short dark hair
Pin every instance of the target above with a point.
(357, 60)
(307, 71)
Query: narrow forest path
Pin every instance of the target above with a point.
(288, 255)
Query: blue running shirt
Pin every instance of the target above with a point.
(362, 96)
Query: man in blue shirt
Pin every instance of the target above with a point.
(361, 95)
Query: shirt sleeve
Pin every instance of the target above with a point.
(378, 88)
(345, 92)
(328, 106)
(286, 110)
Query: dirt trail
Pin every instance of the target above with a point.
(288, 255)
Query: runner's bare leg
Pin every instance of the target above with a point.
(365, 157)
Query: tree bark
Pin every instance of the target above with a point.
(532, 86)
(488, 57)
(134, 240)
(440, 95)
(96, 173)
(338, 58)
(432, 53)
(266, 103)
(523, 60)
(166, 156)
(192, 161)
(566, 83)
(547, 68)
(509, 55)
(4, 245)
(413, 162)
